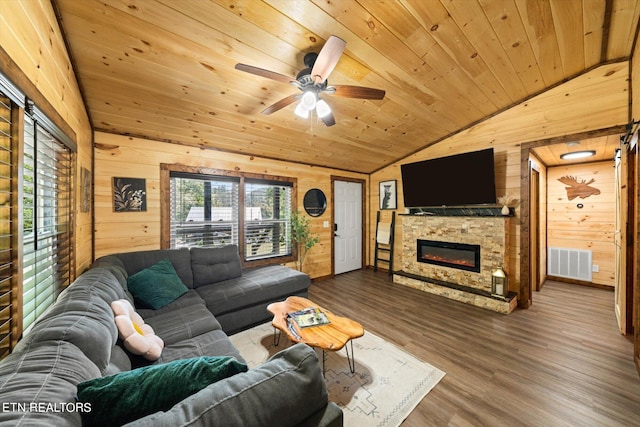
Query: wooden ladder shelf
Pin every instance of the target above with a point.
(384, 242)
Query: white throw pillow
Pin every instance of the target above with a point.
(138, 337)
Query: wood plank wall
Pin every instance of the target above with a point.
(591, 227)
(596, 100)
(35, 59)
(120, 156)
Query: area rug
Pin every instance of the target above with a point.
(387, 385)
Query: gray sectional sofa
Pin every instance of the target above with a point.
(76, 341)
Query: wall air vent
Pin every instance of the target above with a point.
(569, 263)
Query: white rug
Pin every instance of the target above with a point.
(387, 385)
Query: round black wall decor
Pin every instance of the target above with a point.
(315, 202)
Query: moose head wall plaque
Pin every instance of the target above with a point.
(578, 188)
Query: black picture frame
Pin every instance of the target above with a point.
(388, 195)
(129, 194)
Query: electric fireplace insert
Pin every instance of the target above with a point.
(448, 254)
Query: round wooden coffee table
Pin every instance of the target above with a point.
(330, 337)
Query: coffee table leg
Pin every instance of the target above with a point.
(324, 360)
(276, 336)
(351, 360)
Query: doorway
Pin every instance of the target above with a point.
(535, 211)
(572, 221)
(347, 225)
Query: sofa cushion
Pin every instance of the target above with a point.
(191, 297)
(54, 358)
(257, 285)
(118, 362)
(42, 373)
(183, 323)
(139, 260)
(212, 265)
(212, 343)
(156, 286)
(82, 317)
(126, 396)
(103, 283)
(114, 264)
(261, 397)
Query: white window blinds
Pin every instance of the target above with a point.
(209, 210)
(204, 210)
(7, 310)
(47, 219)
(266, 223)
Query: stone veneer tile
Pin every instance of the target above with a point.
(491, 233)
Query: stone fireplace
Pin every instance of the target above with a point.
(454, 256)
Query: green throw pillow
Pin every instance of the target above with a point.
(121, 398)
(157, 285)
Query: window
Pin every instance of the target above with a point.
(36, 213)
(204, 210)
(46, 219)
(7, 209)
(266, 220)
(215, 208)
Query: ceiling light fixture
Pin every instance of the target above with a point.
(577, 154)
(322, 108)
(301, 111)
(309, 102)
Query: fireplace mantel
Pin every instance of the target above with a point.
(489, 231)
(483, 211)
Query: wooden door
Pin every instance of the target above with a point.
(620, 239)
(633, 250)
(534, 226)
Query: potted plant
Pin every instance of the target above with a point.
(301, 237)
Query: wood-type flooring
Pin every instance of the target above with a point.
(562, 362)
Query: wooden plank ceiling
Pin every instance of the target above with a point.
(164, 69)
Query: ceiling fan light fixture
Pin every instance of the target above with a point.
(301, 111)
(322, 108)
(308, 100)
(313, 81)
(577, 154)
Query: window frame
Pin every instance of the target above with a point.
(20, 107)
(10, 295)
(165, 205)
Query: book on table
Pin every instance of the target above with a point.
(310, 316)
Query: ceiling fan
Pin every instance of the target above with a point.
(312, 82)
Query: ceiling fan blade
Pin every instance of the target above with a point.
(265, 73)
(327, 59)
(281, 104)
(360, 92)
(328, 120)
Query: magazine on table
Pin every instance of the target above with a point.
(310, 316)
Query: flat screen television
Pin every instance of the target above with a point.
(458, 180)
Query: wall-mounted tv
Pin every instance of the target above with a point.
(458, 180)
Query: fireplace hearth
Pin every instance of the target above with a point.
(449, 254)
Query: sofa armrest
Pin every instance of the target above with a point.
(284, 391)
